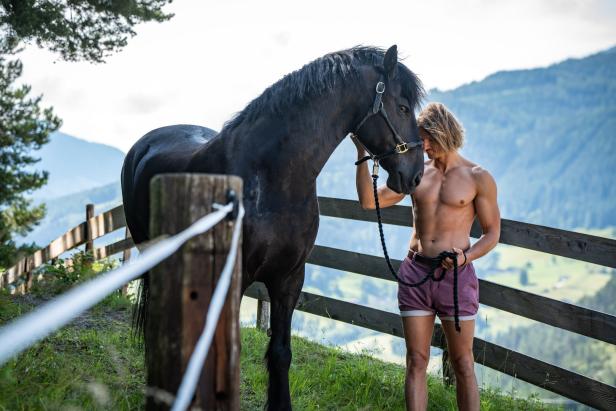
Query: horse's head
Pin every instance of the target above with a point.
(387, 126)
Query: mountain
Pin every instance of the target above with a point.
(76, 165)
(80, 172)
(548, 135)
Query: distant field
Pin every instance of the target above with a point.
(560, 278)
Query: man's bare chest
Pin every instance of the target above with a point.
(454, 189)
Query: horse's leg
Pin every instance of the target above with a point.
(283, 296)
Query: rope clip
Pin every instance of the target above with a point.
(375, 168)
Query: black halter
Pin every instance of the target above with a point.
(378, 108)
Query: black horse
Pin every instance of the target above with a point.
(278, 144)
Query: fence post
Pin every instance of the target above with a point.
(126, 253)
(125, 258)
(180, 292)
(263, 315)
(449, 376)
(89, 215)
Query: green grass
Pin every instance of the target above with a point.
(94, 365)
(91, 364)
(324, 378)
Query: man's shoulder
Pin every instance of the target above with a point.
(475, 170)
(479, 171)
(482, 177)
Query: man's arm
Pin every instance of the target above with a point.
(365, 192)
(488, 215)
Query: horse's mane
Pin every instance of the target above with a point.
(320, 76)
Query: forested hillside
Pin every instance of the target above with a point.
(549, 137)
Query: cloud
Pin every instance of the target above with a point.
(144, 104)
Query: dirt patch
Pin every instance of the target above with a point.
(100, 316)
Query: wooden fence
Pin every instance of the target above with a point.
(583, 247)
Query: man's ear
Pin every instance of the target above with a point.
(391, 62)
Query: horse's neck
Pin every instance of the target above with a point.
(300, 144)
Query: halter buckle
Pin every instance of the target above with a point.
(380, 87)
(402, 148)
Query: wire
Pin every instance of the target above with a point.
(32, 327)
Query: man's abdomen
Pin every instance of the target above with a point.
(444, 229)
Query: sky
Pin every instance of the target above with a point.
(214, 57)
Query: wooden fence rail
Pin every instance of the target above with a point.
(559, 314)
(98, 226)
(583, 247)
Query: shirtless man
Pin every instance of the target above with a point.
(452, 192)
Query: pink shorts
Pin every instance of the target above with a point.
(436, 297)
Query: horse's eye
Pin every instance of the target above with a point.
(404, 109)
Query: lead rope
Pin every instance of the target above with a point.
(436, 261)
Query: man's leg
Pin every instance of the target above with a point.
(417, 335)
(460, 347)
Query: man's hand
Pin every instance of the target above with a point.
(448, 262)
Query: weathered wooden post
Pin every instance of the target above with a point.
(125, 258)
(449, 376)
(263, 315)
(181, 288)
(126, 253)
(89, 215)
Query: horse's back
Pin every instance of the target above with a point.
(163, 150)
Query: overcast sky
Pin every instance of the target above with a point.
(213, 57)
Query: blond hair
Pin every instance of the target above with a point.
(442, 126)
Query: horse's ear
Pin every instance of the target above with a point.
(391, 61)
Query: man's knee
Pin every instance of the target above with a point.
(463, 365)
(416, 362)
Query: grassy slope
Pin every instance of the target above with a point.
(93, 365)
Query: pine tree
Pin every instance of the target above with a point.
(88, 30)
(77, 29)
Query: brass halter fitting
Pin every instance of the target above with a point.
(402, 148)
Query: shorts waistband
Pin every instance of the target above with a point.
(422, 259)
